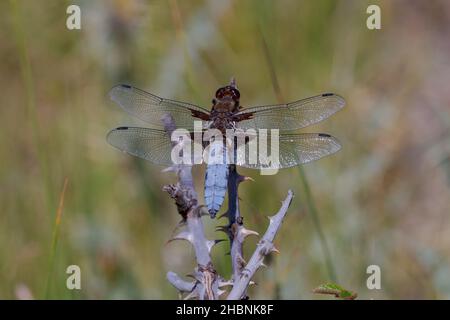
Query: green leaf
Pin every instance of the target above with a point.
(336, 290)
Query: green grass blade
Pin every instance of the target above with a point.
(309, 200)
(55, 237)
(317, 225)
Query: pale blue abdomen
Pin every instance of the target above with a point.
(216, 179)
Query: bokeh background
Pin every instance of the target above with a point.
(383, 199)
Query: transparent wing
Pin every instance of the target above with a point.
(291, 116)
(151, 108)
(150, 144)
(293, 149)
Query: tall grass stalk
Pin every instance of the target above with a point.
(317, 225)
(181, 35)
(55, 237)
(307, 191)
(27, 77)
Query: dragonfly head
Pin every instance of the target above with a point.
(228, 95)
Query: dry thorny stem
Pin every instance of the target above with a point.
(207, 284)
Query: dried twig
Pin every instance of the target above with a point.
(235, 229)
(264, 247)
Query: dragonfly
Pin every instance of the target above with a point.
(155, 145)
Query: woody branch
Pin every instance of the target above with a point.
(206, 281)
(264, 247)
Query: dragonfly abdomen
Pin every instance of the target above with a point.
(216, 179)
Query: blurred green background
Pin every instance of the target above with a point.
(383, 199)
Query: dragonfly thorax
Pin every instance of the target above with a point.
(223, 110)
(222, 124)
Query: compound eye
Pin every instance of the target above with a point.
(220, 93)
(236, 94)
